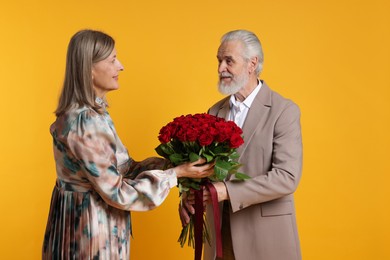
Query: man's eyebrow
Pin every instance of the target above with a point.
(225, 57)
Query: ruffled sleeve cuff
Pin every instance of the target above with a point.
(172, 177)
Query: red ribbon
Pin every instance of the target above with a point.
(198, 229)
(217, 220)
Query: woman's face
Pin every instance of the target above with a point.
(105, 74)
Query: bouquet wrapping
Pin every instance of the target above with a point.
(188, 138)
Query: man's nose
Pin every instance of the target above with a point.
(222, 67)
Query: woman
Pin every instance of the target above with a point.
(97, 182)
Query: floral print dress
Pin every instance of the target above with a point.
(97, 186)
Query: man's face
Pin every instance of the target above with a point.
(233, 69)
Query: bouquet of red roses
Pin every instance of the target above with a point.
(187, 138)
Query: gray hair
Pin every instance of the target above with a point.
(85, 48)
(252, 46)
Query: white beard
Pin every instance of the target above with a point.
(235, 85)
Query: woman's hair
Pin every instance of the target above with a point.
(85, 48)
(252, 45)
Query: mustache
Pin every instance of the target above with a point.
(225, 75)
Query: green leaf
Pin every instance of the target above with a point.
(223, 164)
(222, 154)
(197, 180)
(194, 185)
(176, 158)
(234, 156)
(235, 166)
(194, 157)
(208, 157)
(220, 173)
(167, 149)
(241, 176)
(160, 151)
(219, 149)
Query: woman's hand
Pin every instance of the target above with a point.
(191, 170)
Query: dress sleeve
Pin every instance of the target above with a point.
(93, 143)
(152, 163)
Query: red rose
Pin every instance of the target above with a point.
(181, 135)
(203, 128)
(212, 131)
(236, 140)
(165, 134)
(224, 131)
(205, 139)
(192, 134)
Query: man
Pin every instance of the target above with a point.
(258, 219)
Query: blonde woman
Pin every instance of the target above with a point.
(98, 183)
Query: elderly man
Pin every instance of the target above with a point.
(258, 217)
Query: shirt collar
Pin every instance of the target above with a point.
(249, 99)
(101, 102)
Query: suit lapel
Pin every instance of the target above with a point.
(256, 116)
(224, 110)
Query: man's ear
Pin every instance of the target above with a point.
(253, 62)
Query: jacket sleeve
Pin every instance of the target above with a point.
(93, 143)
(285, 169)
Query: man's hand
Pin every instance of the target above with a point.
(186, 208)
(221, 191)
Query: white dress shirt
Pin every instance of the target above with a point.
(239, 110)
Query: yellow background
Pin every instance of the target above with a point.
(330, 56)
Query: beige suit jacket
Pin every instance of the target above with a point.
(263, 224)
